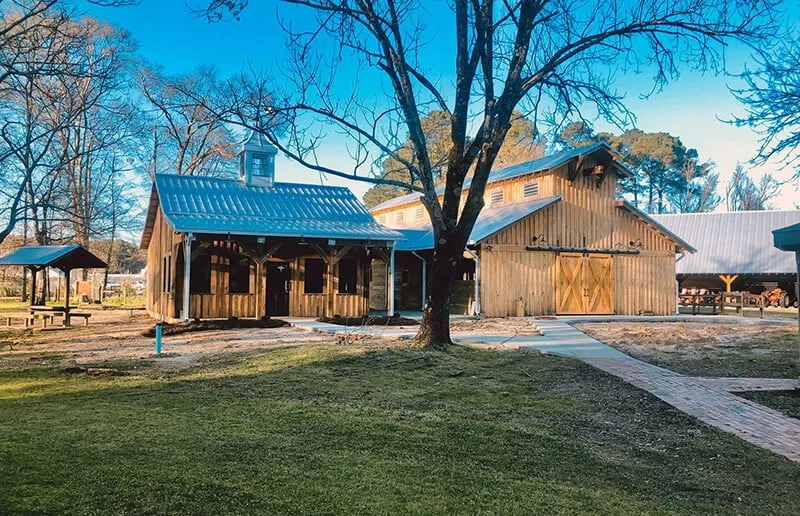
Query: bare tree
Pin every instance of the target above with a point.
(743, 194)
(29, 127)
(192, 139)
(770, 97)
(549, 58)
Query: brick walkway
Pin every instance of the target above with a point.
(708, 399)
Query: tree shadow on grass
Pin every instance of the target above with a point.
(373, 429)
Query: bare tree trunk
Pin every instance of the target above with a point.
(434, 331)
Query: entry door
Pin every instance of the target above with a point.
(584, 284)
(278, 281)
(569, 284)
(598, 285)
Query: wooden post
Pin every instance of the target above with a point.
(187, 274)
(390, 284)
(424, 279)
(330, 262)
(33, 285)
(259, 288)
(66, 297)
(728, 280)
(797, 286)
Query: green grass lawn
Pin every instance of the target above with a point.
(324, 429)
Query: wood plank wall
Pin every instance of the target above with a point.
(587, 217)
(163, 243)
(219, 303)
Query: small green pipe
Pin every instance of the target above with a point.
(158, 338)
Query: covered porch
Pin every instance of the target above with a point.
(249, 276)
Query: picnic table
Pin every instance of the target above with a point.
(49, 312)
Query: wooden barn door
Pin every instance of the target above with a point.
(598, 284)
(584, 284)
(569, 283)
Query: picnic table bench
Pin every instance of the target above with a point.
(49, 312)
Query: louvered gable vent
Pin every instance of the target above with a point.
(530, 189)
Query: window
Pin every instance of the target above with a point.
(496, 197)
(419, 212)
(348, 272)
(261, 164)
(315, 271)
(239, 276)
(200, 275)
(400, 217)
(530, 189)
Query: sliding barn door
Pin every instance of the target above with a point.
(584, 284)
(569, 283)
(598, 285)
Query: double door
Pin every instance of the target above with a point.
(584, 284)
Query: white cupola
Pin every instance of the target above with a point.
(257, 161)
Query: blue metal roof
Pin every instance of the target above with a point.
(489, 222)
(61, 256)
(788, 238)
(732, 243)
(529, 167)
(222, 206)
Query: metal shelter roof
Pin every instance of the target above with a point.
(732, 243)
(489, 222)
(223, 206)
(64, 257)
(788, 238)
(529, 167)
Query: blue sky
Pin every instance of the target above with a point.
(170, 36)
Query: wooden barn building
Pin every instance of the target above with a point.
(735, 251)
(553, 238)
(220, 248)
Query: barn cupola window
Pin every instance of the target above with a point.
(257, 161)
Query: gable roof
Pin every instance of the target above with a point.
(489, 222)
(223, 206)
(65, 257)
(733, 243)
(529, 167)
(680, 243)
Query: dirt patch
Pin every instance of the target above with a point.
(706, 348)
(220, 324)
(116, 339)
(369, 320)
(677, 336)
(494, 326)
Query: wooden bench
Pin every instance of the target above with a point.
(28, 320)
(85, 316)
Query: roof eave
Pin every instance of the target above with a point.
(681, 244)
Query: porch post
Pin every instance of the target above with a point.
(424, 279)
(329, 302)
(187, 273)
(66, 297)
(476, 309)
(390, 284)
(33, 285)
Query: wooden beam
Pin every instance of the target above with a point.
(728, 280)
(201, 246)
